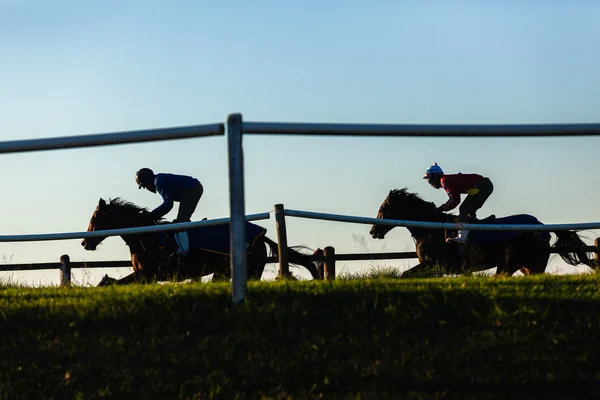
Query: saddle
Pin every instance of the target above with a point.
(167, 238)
(482, 221)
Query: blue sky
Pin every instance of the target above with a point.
(71, 68)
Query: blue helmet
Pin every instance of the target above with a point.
(433, 170)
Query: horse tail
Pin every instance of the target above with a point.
(571, 248)
(295, 257)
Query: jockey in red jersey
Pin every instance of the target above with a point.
(477, 188)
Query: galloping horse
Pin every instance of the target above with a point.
(509, 251)
(209, 247)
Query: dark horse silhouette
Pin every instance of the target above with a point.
(209, 247)
(509, 251)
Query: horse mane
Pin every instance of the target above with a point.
(413, 202)
(125, 205)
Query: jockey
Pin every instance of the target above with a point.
(477, 188)
(184, 189)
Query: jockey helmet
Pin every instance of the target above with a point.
(143, 177)
(433, 170)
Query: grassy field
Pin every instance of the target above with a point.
(471, 337)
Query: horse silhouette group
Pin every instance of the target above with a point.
(509, 251)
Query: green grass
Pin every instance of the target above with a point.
(470, 337)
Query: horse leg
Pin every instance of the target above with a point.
(106, 280)
(539, 266)
(525, 271)
(540, 255)
(527, 255)
(134, 277)
(507, 266)
(219, 277)
(418, 271)
(221, 269)
(255, 269)
(199, 264)
(257, 256)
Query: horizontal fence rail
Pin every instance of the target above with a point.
(105, 139)
(403, 255)
(74, 264)
(431, 130)
(125, 231)
(273, 259)
(439, 225)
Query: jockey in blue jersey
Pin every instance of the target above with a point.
(184, 189)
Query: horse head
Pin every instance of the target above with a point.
(400, 204)
(116, 214)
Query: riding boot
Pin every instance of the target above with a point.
(183, 242)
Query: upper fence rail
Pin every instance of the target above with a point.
(427, 130)
(115, 138)
(439, 225)
(106, 139)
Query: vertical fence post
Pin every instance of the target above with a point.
(329, 270)
(65, 270)
(284, 266)
(237, 227)
(596, 254)
(321, 263)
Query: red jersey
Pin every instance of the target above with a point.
(456, 184)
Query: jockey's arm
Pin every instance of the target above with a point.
(453, 201)
(164, 208)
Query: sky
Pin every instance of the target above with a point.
(75, 68)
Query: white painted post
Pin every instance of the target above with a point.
(237, 229)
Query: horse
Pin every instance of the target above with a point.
(509, 251)
(209, 247)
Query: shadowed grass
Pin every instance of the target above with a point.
(389, 272)
(467, 337)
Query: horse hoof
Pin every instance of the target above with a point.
(106, 280)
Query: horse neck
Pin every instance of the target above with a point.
(138, 241)
(437, 217)
(426, 217)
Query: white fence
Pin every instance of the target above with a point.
(40, 237)
(439, 225)
(236, 128)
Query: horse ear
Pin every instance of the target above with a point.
(102, 203)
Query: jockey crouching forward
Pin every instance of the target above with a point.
(477, 188)
(184, 189)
